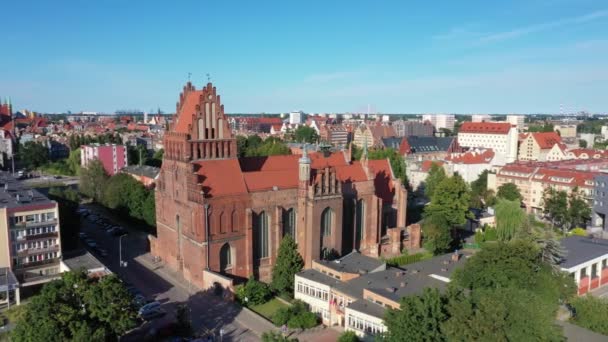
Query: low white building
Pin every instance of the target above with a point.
(587, 261)
(469, 165)
(355, 291)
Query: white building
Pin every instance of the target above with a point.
(469, 165)
(481, 117)
(295, 118)
(517, 120)
(356, 290)
(386, 118)
(587, 260)
(499, 136)
(440, 120)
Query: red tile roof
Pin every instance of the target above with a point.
(472, 157)
(546, 140)
(266, 180)
(187, 111)
(485, 127)
(221, 177)
(404, 147)
(426, 165)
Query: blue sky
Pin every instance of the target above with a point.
(318, 56)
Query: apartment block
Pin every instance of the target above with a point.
(499, 136)
(112, 156)
(29, 232)
(517, 120)
(440, 120)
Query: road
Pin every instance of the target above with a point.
(209, 314)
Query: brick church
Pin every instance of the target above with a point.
(328, 203)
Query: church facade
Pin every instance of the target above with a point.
(220, 214)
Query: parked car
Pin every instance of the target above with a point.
(149, 307)
(152, 314)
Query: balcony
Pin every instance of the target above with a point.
(33, 251)
(34, 237)
(36, 264)
(35, 224)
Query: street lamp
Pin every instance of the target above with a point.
(122, 263)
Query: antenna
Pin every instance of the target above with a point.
(189, 75)
(208, 78)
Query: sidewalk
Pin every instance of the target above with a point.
(245, 318)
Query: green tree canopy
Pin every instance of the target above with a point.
(450, 203)
(509, 218)
(579, 212)
(77, 308)
(419, 319)
(591, 313)
(435, 176)
(289, 262)
(509, 191)
(93, 180)
(33, 155)
(437, 236)
(555, 204)
(306, 134)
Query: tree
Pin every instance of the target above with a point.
(396, 160)
(555, 205)
(449, 203)
(579, 212)
(582, 143)
(501, 314)
(479, 190)
(509, 191)
(419, 319)
(184, 322)
(348, 336)
(437, 238)
(34, 155)
(289, 262)
(77, 308)
(435, 176)
(591, 312)
(273, 336)
(149, 209)
(306, 134)
(93, 180)
(509, 219)
(73, 162)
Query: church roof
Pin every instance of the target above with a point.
(220, 177)
(187, 111)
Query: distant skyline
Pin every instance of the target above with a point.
(317, 56)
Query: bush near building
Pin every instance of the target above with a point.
(296, 316)
(348, 336)
(405, 259)
(252, 293)
(591, 312)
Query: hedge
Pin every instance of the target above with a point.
(407, 259)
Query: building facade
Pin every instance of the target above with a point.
(113, 157)
(499, 136)
(220, 214)
(536, 146)
(517, 121)
(29, 233)
(413, 128)
(587, 261)
(440, 121)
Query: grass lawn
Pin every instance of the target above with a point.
(269, 308)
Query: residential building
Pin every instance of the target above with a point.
(413, 128)
(372, 135)
(469, 165)
(145, 174)
(112, 156)
(481, 117)
(587, 261)
(600, 203)
(499, 136)
(557, 152)
(536, 146)
(29, 232)
(355, 291)
(418, 171)
(517, 121)
(295, 118)
(428, 148)
(440, 121)
(565, 131)
(336, 135)
(6, 147)
(532, 180)
(589, 138)
(220, 217)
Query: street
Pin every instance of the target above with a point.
(209, 314)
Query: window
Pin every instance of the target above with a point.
(594, 271)
(225, 258)
(260, 233)
(289, 222)
(326, 222)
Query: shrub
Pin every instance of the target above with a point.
(281, 316)
(303, 320)
(591, 312)
(490, 235)
(252, 293)
(578, 232)
(406, 259)
(271, 336)
(348, 336)
(479, 237)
